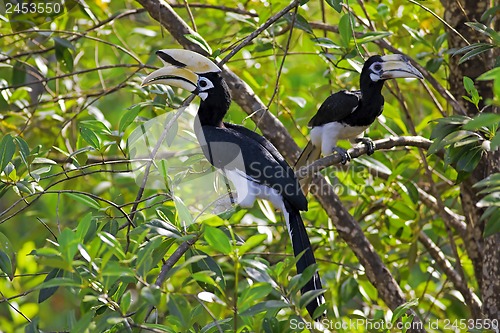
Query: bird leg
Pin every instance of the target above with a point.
(343, 154)
(370, 146)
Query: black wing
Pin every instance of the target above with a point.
(236, 147)
(263, 142)
(336, 107)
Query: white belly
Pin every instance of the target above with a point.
(327, 135)
(248, 190)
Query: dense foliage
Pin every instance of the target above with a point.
(90, 229)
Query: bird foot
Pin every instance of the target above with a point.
(344, 155)
(370, 146)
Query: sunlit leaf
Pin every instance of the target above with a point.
(217, 239)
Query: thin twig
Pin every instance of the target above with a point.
(258, 31)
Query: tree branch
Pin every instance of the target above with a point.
(388, 143)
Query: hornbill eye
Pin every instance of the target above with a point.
(377, 67)
(204, 84)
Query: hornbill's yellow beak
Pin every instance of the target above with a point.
(181, 69)
(398, 66)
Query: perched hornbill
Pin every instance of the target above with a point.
(347, 114)
(252, 164)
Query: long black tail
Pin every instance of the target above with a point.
(300, 242)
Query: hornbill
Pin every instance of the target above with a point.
(347, 114)
(250, 162)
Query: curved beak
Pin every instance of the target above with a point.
(181, 69)
(173, 76)
(398, 66)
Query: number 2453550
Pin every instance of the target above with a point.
(33, 8)
(463, 324)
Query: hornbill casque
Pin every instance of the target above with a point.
(252, 164)
(347, 114)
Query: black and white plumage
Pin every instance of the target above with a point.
(347, 114)
(252, 164)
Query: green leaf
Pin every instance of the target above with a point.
(24, 149)
(84, 199)
(96, 126)
(6, 265)
(183, 213)
(310, 296)
(401, 310)
(335, 4)
(204, 278)
(372, 36)
(300, 22)
(492, 199)
(7, 150)
(345, 30)
(144, 261)
(58, 282)
(43, 160)
(451, 139)
(484, 30)
(469, 161)
(45, 293)
(114, 268)
(440, 40)
(251, 294)
(68, 244)
(129, 117)
(264, 306)
(476, 51)
(179, 308)
(90, 137)
(217, 239)
(434, 64)
(495, 142)
(325, 42)
(198, 40)
(125, 301)
(202, 263)
(483, 119)
(163, 228)
(63, 53)
(492, 74)
(7, 257)
(251, 243)
(83, 226)
(113, 244)
(402, 210)
(492, 226)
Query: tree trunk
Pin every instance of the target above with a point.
(484, 253)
